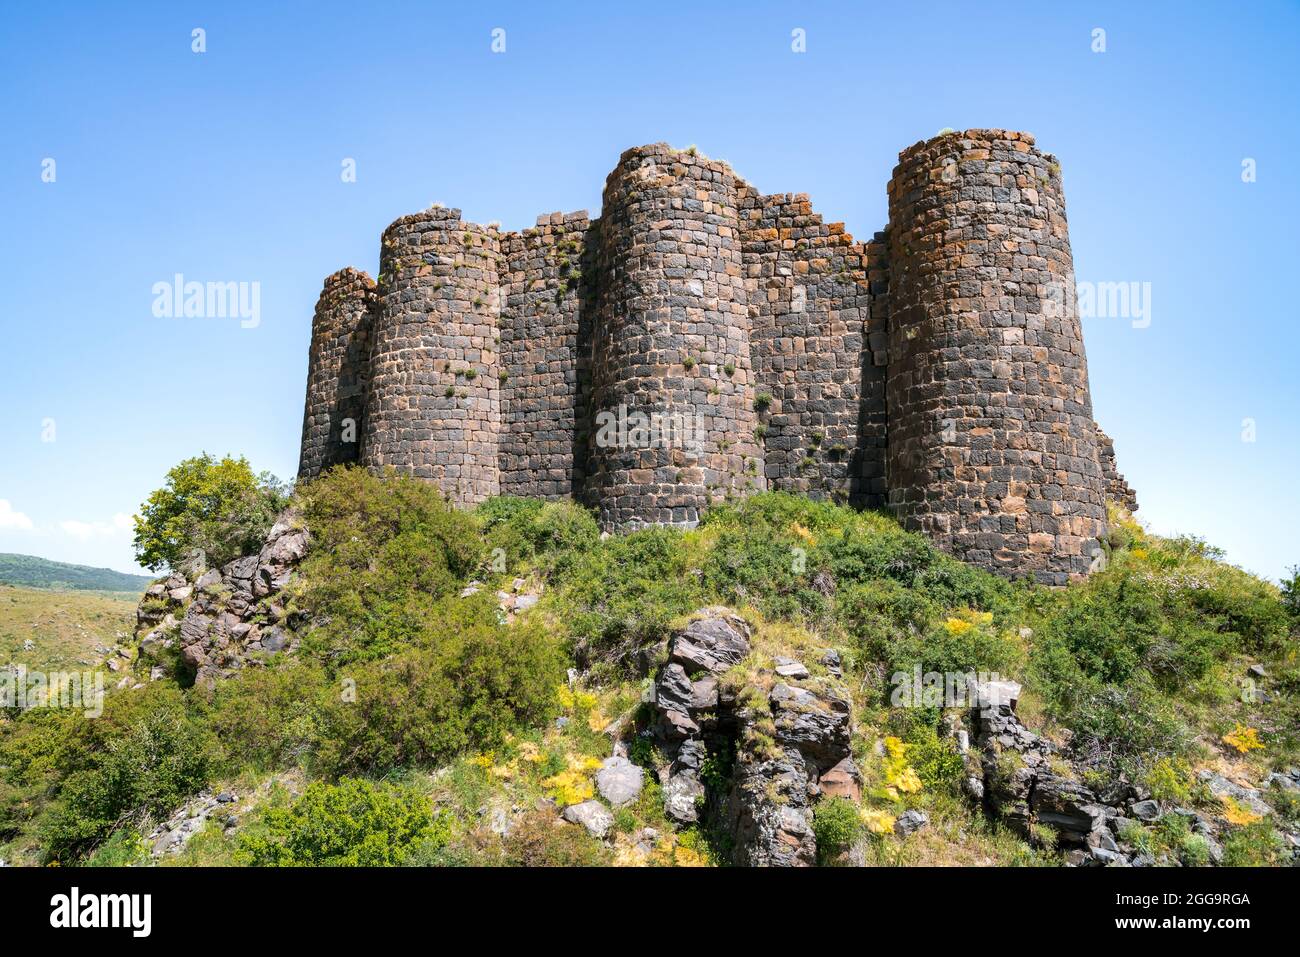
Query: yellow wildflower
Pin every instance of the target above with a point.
(1235, 813)
(877, 822)
(1243, 739)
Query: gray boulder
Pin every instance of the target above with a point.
(619, 781)
(592, 815)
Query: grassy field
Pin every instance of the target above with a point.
(65, 626)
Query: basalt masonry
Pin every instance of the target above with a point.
(337, 367)
(993, 451)
(701, 341)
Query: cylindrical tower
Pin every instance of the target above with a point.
(673, 419)
(336, 372)
(434, 408)
(993, 451)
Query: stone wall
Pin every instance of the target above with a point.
(821, 383)
(1117, 489)
(543, 449)
(993, 451)
(671, 343)
(434, 406)
(337, 366)
(937, 368)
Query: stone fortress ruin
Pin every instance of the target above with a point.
(701, 340)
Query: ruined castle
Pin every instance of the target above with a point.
(936, 370)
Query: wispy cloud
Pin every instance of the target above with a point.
(12, 519)
(118, 525)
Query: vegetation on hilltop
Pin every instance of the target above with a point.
(416, 717)
(33, 572)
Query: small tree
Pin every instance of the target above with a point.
(221, 507)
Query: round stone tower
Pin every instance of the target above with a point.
(434, 408)
(336, 372)
(993, 451)
(673, 418)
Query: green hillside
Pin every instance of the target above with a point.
(36, 572)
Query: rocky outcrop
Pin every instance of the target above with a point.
(212, 622)
(782, 733)
(1026, 781)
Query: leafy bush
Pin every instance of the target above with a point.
(936, 760)
(623, 595)
(268, 718)
(541, 839)
(964, 642)
(1254, 845)
(143, 758)
(466, 681)
(1125, 728)
(350, 824)
(548, 536)
(220, 507)
(385, 549)
(1291, 592)
(836, 826)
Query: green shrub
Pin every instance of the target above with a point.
(350, 824)
(1194, 851)
(541, 839)
(836, 826)
(268, 718)
(1125, 729)
(1254, 845)
(143, 758)
(466, 682)
(385, 549)
(623, 595)
(548, 536)
(220, 507)
(935, 759)
(967, 642)
(1291, 591)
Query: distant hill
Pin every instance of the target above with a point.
(42, 573)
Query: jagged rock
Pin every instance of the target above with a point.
(673, 691)
(909, 822)
(994, 694)
(1146, 810)
(816, 724)
(592, 815)
(791, 743)
(843, 780)
(619, 781)
(681, 795)
(1222, 788)
(645, 840)
(711, 643)
(789, 668)
(831, 660)
(1018, 783)
(1284, 781)
(770, 813)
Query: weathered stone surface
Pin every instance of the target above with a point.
(843, 780)
(225, 619)
(619, 781)
(712, 643)
(909, 822)
(1222, 788)
(762, 346)
(592, 815)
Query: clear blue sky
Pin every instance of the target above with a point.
(225, 166)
